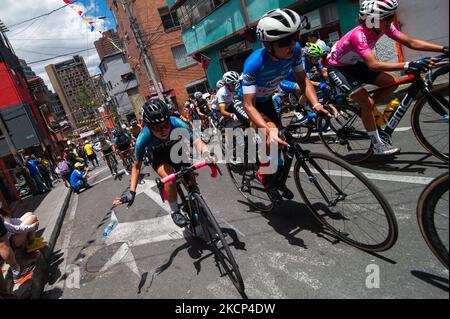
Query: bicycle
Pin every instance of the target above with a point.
(357, 213)
(128, 159)
(432, 215)
(112, 163)
(351, 142)
(198, 214)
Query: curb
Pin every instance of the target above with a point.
(43, 262)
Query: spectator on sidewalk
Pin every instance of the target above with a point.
(90, 153)
(20, 274)
(78, 179)
(64, 170)
(45, 173)
(21, 231)
(71, 159)
(34, 173)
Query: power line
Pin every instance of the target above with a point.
(58, 56)
(42, 15)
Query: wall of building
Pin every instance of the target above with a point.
(160, 44)
(426, 20)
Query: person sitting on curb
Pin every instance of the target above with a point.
(78, 179)
(20, 274)
(22, 231)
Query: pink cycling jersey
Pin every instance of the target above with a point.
(357, 45)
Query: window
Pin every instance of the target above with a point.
(192, 11)
(169, 19)
(181, 58)
(198, 86)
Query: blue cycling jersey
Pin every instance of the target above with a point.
(146, 140)
(262, 75)
(289, 85)
(126, 139)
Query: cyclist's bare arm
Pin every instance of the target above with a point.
(376, 65)
(419, 45)
(224, 112)
(253, 113)
(304, 83)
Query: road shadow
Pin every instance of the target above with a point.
(198, 250)
(397, 163)
(29, 204)
(434, 280)
(291, 218)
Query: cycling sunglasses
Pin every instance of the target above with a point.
(161, 127)
(287, 42)
(389, 18)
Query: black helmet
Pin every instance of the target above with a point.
(155, 112)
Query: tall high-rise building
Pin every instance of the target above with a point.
(105, 47)
(71, 81)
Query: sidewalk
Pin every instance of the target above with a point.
(50, 209)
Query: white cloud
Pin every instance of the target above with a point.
(61, 32)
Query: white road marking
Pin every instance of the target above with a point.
(381, 177)
(125, 256)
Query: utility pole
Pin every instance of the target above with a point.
(143, 48)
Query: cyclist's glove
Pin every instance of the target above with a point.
(445, 50)
(209, 157)
(418, 66)
(128, 198)
(323, 86)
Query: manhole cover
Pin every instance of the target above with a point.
(96, 262)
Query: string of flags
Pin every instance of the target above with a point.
(91, 21)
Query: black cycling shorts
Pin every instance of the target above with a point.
(162, 156)
(267, 109)
(3, 230)
(350, 79)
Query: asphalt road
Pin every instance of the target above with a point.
(283, 254)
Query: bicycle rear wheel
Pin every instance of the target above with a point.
(430, 125)
(346, 202)
(245, 177)
(432, 215)
(289, 115)
(348, 138)
(216, 239)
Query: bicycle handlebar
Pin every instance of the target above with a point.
(161, 182)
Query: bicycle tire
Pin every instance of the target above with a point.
(419, 120)
(426, 212)
(215, 235)
(347, 131)
(303, 133)
(387, 238)
(263, 202)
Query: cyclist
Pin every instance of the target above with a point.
(352, 63)
(123, 143)
(279, 30)
(201, 107)
(155, 137)
(135, 128)
(108, 150)
(225, 95)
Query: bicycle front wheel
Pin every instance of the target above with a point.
(430, 124)
(348, 139)
(432, 215)
(219, 244)
(346, 202)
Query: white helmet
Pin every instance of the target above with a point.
(220, 84)
(377, 9)
(231, 77)
(124, 126)
(278, 24)
(198, 95)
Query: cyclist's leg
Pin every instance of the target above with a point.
(384, 78)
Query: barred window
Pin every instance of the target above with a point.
(182, 59)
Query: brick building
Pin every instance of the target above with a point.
(177, 72)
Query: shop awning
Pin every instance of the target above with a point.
(176, 5)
